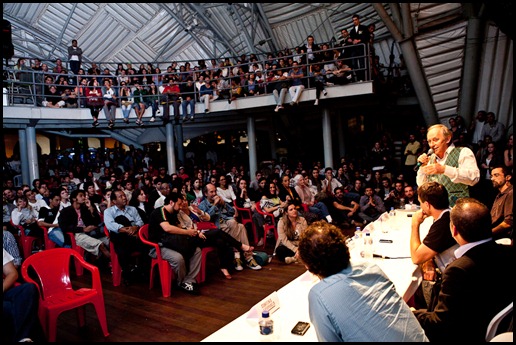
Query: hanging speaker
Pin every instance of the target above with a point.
(7, 42)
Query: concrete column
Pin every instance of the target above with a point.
(22, 141)
(32, 153)
(471, 71)
(251, 142)
(171, 154)
(326, 127)
(342, 143)
(179, 136)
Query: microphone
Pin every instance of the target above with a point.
(429, 153)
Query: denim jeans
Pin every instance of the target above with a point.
(57, 237)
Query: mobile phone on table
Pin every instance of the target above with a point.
(300, 328)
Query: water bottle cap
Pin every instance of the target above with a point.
(357, 228)
(265, 313)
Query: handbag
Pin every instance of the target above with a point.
(261, 258)
(183, 244)
(95, 101)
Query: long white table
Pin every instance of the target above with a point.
(293, 297)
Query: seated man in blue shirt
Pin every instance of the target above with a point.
(123, 222)
(371, 311)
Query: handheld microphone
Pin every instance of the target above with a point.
(429, 153)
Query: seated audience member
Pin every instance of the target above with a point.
(460, 315)
(222, 214)
(410, 197)
(207, 94)
(27, 217)
(290, 227)
(393, 199)
(371, 298)
(287, 193)
(83, 219)
(308, 198)
(123, 222)
(502, 210)
(20, 305)
(178, 246)
(11, 246)
(227, 247)
(344, 212)
(139, 200)
(371, 206)
(53, 98)
(48, 218)
(329, 183)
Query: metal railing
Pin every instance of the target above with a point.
(26, 86)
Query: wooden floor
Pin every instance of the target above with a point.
(137, 314)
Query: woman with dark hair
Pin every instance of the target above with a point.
(94, 100)
(139, 200)
(290, 228)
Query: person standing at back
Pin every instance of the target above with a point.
(75, 57)
(371, 311)
(454, 167)
(360, 37)
(477, 285)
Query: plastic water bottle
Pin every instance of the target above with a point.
(392, 213)
(368, 246)
(402, 203)
(266, 324)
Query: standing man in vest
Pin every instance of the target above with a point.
(454, 167)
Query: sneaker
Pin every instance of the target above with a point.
(292, 103)
(252, 264)
(152, 119)
(277, 108)
(189, 287)
(111, 125)
(316, 102)
(158, 111)
(206, 111)
(238, 264)
(290, 259)
(325, 92)
(95, 123)
(26, 340)
(126, 120)
(140, 123)
(191, 118)
(229, 100)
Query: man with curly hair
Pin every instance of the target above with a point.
(352, 302)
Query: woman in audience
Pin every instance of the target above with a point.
(290, 228)
(287, 193)
(27, 217)
(271, 203)
(224, 191)
(307, 198)
(139, 200)
(94, 100)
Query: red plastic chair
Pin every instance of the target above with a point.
(201, 277)
(56, 291)
(266, 226)
(49, 244)
(166, 273)
(245, 216)
(25, 242)
(115, 265)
